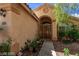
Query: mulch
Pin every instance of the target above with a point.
(73, 47)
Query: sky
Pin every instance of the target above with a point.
(74, 12)
(34, 5)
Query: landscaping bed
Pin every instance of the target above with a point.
(31, 48)
(59, 48)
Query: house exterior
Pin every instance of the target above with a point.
(46, 15)
(21, 25)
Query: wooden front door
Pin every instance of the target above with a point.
(46, 27)
(46, 31)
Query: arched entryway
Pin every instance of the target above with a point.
(45, 27)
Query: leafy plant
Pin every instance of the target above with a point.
(60, 15)
(66, 52)
(1, 50)
(5, 46)
(67, 42)
(26, 46)
(74, 33)
(62, 18)
(34, 44)
(69, 33)
(63, 33)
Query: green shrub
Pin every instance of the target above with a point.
(26, 46)
(71, 33)
(5, 47)
(63, 32)
(67, 42)
(1, 50)
(66, 52)
(34, 44)
(30, 44)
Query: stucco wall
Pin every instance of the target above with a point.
(4, 34)
(21, 26)
(2, 19)
(24, 26)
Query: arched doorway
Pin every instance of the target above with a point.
(45, 27)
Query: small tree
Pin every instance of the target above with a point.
(62, 18)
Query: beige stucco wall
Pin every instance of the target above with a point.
(24, 26)
(21, 26)
(40, 13)
(4, 34)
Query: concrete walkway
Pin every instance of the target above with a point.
(47, 49)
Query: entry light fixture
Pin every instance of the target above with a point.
(2, 17)
(3, 12)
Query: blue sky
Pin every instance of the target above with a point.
(34, 5)
(71, 12)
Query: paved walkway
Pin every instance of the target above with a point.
(47, 49)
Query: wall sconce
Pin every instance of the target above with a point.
(3, 12)
(2, 21)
